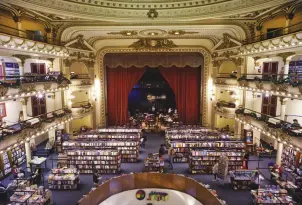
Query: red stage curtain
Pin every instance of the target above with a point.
(185, 82)
(120, 82)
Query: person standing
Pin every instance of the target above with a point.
(215, 171)
(171, 153)
(246, 160)
(95, 177)
(162, 150)
(271, 149)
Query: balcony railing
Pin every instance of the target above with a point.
(31, 35)
(273, 34)
(79, 76)
(83, 104)
(291, 129)
(294, 79)
(32, 123)
(16, 80)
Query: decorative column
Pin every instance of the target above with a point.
(284, 57)
(28, 153)
(283, 107)
(16, 19)
(24, 107)
(22, 59)
(279, 153)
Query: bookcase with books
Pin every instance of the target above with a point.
(18, 156)
(290, 158)
(129, 149)
(5, 165)
(202, 161)
(109, 136)
(86, 161)
(153, 163)
(59, 140)
(183, 148)
(63, 178)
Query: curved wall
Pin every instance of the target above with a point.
(129, 198)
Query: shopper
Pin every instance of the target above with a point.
(15, 171)
(96, 178)
(271, 149)
(246, 160)
(215, 171)
(256, 181)
(162, 150)
(296, 124)
(171, 153)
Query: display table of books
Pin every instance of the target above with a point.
(63, 178)
(271, 196)
(153, 163)
(242, 179)
(31, 196)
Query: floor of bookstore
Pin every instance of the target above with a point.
(225, 192)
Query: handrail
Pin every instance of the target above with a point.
(274, 34)
(80, 103)
(133, 181)
(269, 116)
(28, 35)
(38, 116)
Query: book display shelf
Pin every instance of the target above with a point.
(5, 165)
(183, 148)
(129, 149)
(202, 161)
(290, 158)
(30, 196)
(271, 196)
(119, 130)
(86, 161)
(59, 140)
(242, 179)
(153, 163)
(18, 155)
(109, 136)
(63, 178)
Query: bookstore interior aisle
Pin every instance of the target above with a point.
(154, 140)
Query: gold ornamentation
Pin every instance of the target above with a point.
(86, 82)
(238, 61)
(181, 32)
(152, 14)
(80, 43)
(227, 42)
(3, 90)
(283, 88)
(22, 57)
(47, 86)
(153, 44)
(124, 33)
(220, 81)
(259, 85)
(28, 87)
(284, 56)
(300, 89)
(244, 83)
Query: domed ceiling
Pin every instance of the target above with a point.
(151, 11)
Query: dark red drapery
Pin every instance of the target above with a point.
(120, 81)
(185, 82)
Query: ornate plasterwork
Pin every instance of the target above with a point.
(27, 87)
(204, 73)
(3, 90)
(137, 11)
(153, 44)
(124, 33)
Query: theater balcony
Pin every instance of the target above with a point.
(226, 80)
(272, 127)
(33, 127)
(13, 87)
(81, 109)
(278, 41)
(17, 41)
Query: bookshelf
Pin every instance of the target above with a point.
(58, 140)
(63, 178)
(290, 158)
(242, 179)
(153, 163)
(202, 161)
(183, 148)
(86, 161)
(119, 130)
(18, 155)
(129, 149)
(5, 164)
(110, 136)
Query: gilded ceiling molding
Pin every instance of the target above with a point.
(153, 44)
(124, 33)
(181, 32)
(284, 56)
(205, 75)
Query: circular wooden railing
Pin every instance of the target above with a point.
(149, 180)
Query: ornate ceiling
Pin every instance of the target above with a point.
(148, 11)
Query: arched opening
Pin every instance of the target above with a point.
(227, 68)
(78, 70)
(150, 98)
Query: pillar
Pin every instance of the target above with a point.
(279, 153)
(17, 20)
(237, 130)
(283, 107)
(24, 107)
(28, 153)
(256, 137)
